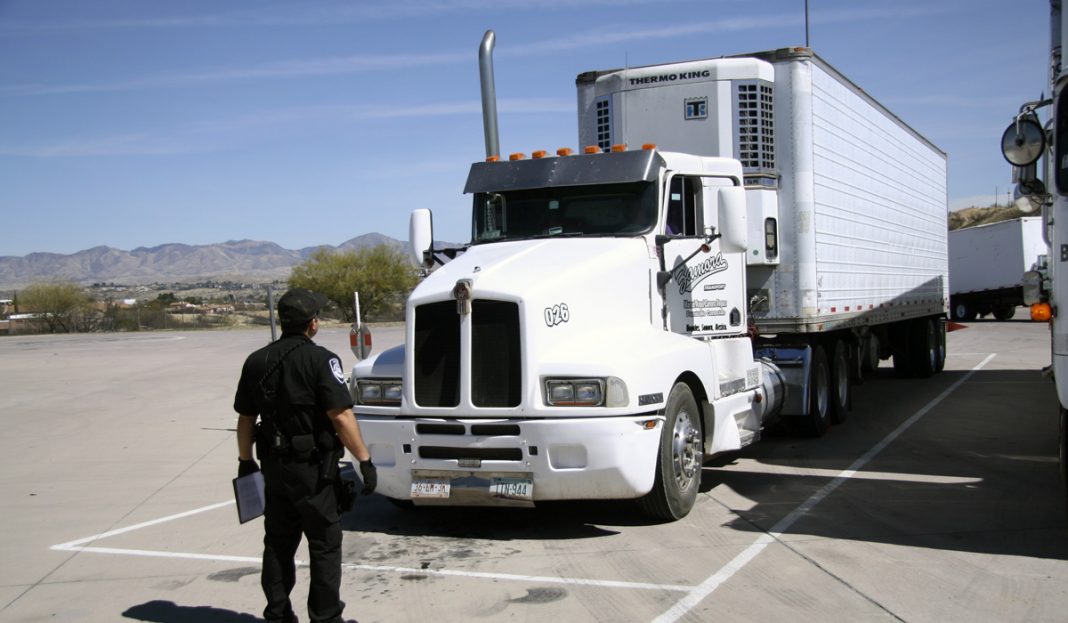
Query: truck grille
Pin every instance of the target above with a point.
(494, 353)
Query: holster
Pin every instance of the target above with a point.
(270, 442)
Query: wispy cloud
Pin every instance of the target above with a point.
(311, 15)
(621, 33)
(215, 135)
(126, 144)
(280, 69)
(604, 35)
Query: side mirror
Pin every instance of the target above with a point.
(421, 237)
(1023, 142)
(733, 218)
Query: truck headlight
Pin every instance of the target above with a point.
(585, 392)
(379, 392)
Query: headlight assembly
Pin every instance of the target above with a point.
(379, 392)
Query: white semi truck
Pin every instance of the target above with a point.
(622, 314)
(1025, 142)
(987, 265)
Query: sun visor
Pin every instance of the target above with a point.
(580, 170)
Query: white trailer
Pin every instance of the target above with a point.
(987, 265)
(622, 314)
(847, 210)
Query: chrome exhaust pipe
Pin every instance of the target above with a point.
(489, 94)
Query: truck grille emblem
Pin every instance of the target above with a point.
(462, 293)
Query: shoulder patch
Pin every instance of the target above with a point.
(335, 367)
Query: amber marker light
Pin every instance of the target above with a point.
(564, 151)
(492, 158)
(1041, 312)
(648, 146)
(516, 156)
(619, 148)
(591, 149)
(538, 155)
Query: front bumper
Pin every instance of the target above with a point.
(563, 458)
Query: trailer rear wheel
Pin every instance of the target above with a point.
(923, 347)
(1004, 312)
(678, 464)
(819, 395)
(940, 334)
(870, 354)
(902, 340)
(842, 399)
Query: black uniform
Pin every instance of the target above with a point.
(298, 451)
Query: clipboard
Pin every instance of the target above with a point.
(248, 492)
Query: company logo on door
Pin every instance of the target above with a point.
(689, 276)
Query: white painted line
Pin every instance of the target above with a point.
(706, 588)
(155, 554)
(78, 546)
(71, 545)
(538, 579)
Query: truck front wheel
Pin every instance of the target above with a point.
(678, 463)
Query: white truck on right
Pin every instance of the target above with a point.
(987, 264)
(1028, 143)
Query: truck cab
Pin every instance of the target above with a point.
(592, 342)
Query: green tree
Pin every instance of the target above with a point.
(62, 306)
(381, 274)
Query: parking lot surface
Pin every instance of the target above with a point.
(937, 500)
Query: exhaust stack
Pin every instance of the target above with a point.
(489, 94)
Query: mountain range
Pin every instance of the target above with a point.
(236, 260)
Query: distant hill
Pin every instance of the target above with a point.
(969, 217)
(240, 260)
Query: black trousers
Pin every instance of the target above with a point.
(297, 503)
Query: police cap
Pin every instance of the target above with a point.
(299, 306)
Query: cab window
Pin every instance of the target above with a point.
(683, 208)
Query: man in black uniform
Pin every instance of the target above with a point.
(297, 389)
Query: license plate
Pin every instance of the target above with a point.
(430, 488)
(512, 488)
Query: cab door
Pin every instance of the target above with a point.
(705, 295)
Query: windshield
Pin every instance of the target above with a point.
(615, 210)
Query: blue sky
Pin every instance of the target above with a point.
(133, 123)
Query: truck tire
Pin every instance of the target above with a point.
(1004, 312)
(901, 340)
(679, 461)
(870, 354)
(964, 312)
(923, 347)
(841, 395)
(818, 420)
(940, 333)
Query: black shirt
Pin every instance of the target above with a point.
(310, 380)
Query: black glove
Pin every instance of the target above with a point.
(370, 476)
(244, 468)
